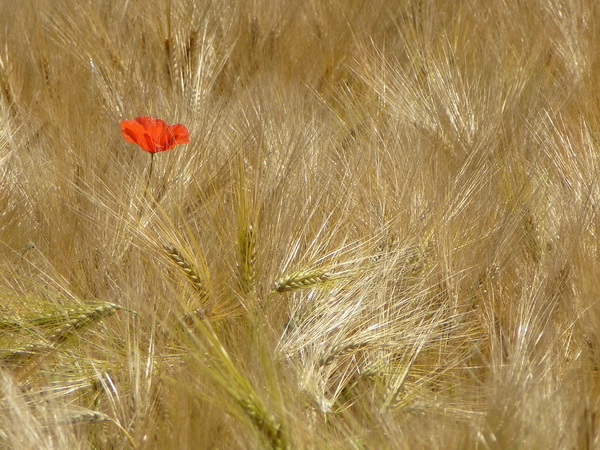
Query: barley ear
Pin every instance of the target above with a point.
(302, 279)
(188, 269)
(85, 318)
(338, 351)
(247, 258)
(84, 415)
(16, 357)
(266, 423)
(191, 274)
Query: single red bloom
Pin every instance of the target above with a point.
(154, 135)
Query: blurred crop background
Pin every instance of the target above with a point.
(383, 234)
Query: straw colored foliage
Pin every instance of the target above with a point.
(383, 232)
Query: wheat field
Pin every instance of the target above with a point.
(383, 233)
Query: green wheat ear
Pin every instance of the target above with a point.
(48, 331)
(247, 258)
(265, 422)
(235, 382)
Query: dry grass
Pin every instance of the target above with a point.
(383, 234)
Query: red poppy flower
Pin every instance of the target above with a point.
(154, 135)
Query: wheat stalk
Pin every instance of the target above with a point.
(531, 239)
(5, 87)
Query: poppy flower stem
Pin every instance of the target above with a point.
(150, 172)
(147, 190)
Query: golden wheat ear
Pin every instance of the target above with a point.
(302, 279)
(190, 272)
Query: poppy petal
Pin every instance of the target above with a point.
(181, 133)
(154, 135)
(134, 132)
(157, 131)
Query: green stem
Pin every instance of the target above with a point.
(146, 191)
(267, 303)
(149, 174)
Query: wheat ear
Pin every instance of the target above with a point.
(188, 269)
(302, 279)
(83, 415)
(341, 350)
(84, 319)
(59, 334)
(247, 258)
(225, 372)
(266, 423)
